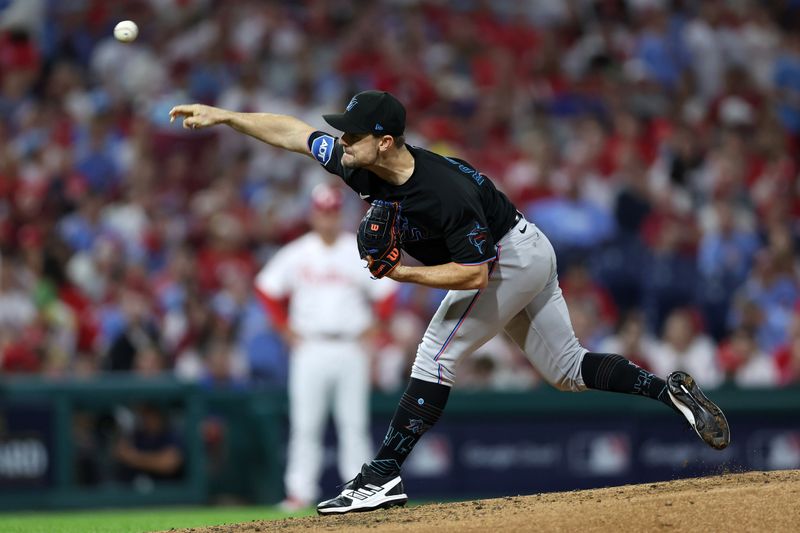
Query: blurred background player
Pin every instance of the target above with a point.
(151, 449)
(327, 326)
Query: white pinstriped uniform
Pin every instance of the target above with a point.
(330, 308)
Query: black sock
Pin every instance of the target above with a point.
(614, 373)
(420, 407)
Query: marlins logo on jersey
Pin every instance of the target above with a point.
(477, 237)
(322, 148)
(409, 233)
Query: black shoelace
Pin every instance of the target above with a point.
(356, 481)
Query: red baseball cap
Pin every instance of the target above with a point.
(326, 197)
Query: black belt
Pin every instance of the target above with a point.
(519, 216)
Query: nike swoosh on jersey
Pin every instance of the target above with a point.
(523, 230)
(363, 196)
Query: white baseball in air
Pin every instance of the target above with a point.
(126, 31)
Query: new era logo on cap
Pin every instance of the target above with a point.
(370, 112)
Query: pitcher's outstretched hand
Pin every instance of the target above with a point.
(198, 115)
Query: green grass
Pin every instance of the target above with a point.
(134, 521)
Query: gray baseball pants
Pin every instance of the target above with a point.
(523, 299)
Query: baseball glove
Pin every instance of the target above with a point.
(378, 237)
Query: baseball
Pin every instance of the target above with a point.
(126, 31)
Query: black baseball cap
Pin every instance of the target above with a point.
(375, 112)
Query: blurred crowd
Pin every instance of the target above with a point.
(654, 141)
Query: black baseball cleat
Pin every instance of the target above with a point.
(366, 492)
(703, 415)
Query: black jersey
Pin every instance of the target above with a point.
(450, 212)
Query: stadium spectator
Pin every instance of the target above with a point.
(135, 343)
(669, 273)
(771, 292)
(497, 365)
(578, 224)
(745, 363)
(578, 286)
(632, 340)
(395, 355)
(17, 306)
(724, 258)
(588, 328)
(787, 357)
(786, 78)
(221, 370)
(684, 346)
(152, 450)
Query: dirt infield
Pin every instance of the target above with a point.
(753, 501)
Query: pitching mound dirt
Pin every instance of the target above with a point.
(754, 501)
